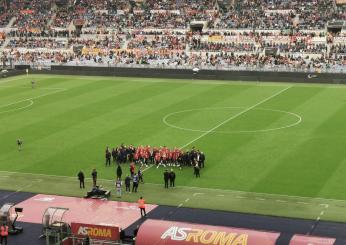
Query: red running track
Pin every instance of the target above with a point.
(81, 210)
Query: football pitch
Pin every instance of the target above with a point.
(271, 148)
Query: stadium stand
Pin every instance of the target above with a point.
(250, 35)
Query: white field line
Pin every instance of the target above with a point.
(299, 120)
(148, 168)
(20, 189)
(19, 108)
(234, 117)
(268, 195)
(15, 78)
(185, 187)
(33, 98)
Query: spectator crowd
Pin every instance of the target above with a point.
(248, 34)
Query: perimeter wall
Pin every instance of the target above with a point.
(258, 76)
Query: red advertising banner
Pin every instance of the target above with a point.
(100, 232)
(160, 232)
(310, 240)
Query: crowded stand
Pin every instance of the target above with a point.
(339, 49)
(103, 43)
(31, 43)
(170, 42)
(256, 34)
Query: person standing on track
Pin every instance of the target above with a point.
(3, 234)
(81, 178)
(141, 205)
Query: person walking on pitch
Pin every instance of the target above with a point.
(19, 144)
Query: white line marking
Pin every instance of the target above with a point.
(220, 195)
(147, 168)
(198, 194)
(180, 205)
(187, 199)
(196, 188)
(31, 100)
(20, 108)
(15, 78)
(234, 117)
(260, 199)
(240, 197)
(20, 189)
(299, 120)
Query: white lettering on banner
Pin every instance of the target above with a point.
(94, 232)
(175, 233)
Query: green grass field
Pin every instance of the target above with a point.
(276, 149)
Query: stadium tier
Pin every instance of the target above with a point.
(308, 35)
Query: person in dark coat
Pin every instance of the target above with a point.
(119, 172)
(81, 178)
(114, 155)
(135, 183)
(128, 183)
(196, 170)
(87, 241)
(108, 158)
(202, 159)
(94, 177)
(166, 178)
(19, 144)
(140, 176)
(171, 178)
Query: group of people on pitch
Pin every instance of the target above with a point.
(161, 156)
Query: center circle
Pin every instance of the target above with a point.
(218, 115)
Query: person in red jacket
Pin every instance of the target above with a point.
(3, 234)
(141, 205)
(132, 169)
